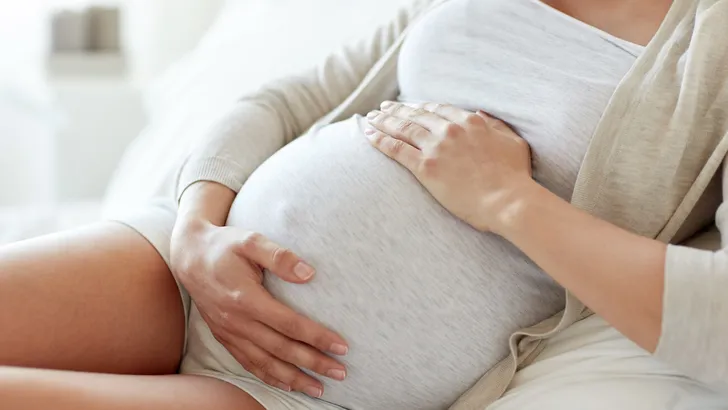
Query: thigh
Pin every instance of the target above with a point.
(97, 299)
(22, 389)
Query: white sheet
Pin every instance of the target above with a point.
(19, 223)
(592, 366)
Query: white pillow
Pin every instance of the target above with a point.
(25, 222)
(251, 42)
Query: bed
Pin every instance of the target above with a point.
(229, 61)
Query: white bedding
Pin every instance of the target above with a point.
(19, 223)
(229, 62)
(184, 102)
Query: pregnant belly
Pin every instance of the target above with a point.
(426, 302)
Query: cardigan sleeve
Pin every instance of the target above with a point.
(260, 124)
(695, 310)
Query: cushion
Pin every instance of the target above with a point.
(18, 223)
(251, 42)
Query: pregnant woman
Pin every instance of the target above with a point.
(325, 275)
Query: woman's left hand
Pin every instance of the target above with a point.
(476, 166)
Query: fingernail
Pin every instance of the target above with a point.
(336, 374)
(387, 104)
(339, 349)
(372, 115)
(488, 118)
(303, 271)
(313, 391)
(283, 387)
(370, 131)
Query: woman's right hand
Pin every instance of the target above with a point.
(221, 267)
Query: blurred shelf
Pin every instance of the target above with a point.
(86, 65)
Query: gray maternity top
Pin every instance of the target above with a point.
(427, 302)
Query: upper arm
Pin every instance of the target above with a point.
(263, 122)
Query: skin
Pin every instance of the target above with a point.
(118, 276)
(636, 21)
(111, 305)
(96, 300)
(266, 337)
(480, 170)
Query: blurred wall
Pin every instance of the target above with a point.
(158, 32)
(26, 124)
(62, 138)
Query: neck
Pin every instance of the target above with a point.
(636, 21)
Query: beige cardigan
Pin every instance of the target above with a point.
(652, 166)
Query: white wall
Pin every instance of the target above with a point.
(62, 141)
(25, 124)
(22, 43)
(100, 118)
(159, 32)
(26, 153)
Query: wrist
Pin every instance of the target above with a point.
(190, 225)
(203, 204)
(513, 206)
(187, 236)
(191, 234)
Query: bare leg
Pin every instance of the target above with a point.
(31, 389)
(98, 299)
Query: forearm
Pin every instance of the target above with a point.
(617, 274)
(239, 142)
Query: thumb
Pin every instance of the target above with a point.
(280, 261)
